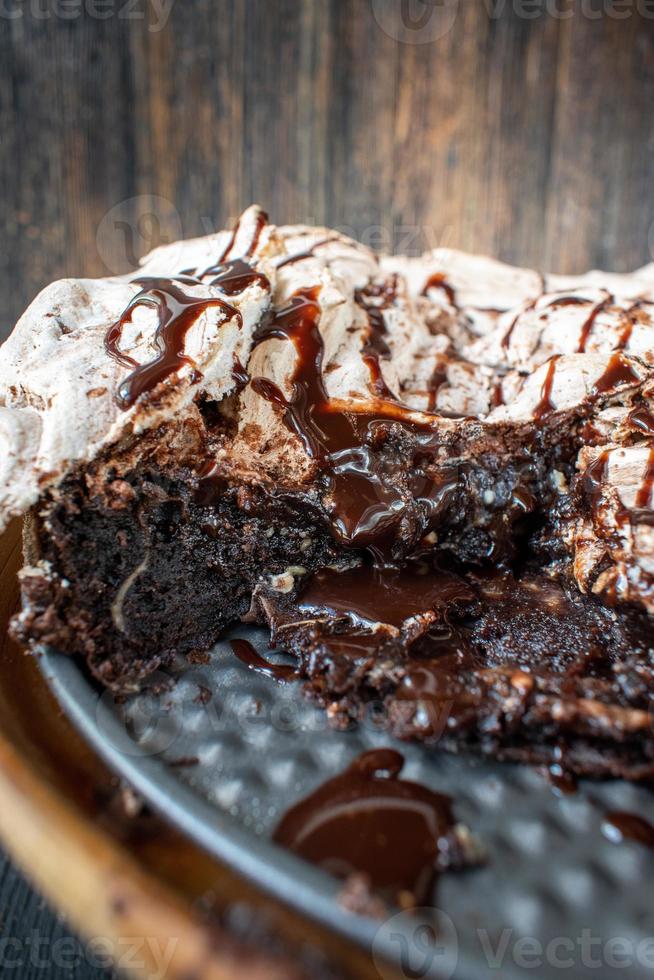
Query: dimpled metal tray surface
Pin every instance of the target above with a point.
(222, 752)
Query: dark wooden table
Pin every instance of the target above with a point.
(521, 129)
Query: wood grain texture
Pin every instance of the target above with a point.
(529, 137)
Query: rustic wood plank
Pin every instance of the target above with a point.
(531, 139)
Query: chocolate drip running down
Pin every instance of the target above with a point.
(365, 505)
(177, 312)
(376, 347)
(642, 420)
(618, 372)
(545, 406)
(596, 475)
(260, 224)
(587, 327)
(399, 834)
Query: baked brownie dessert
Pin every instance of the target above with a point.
(431, 477)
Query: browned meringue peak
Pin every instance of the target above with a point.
(584, 320)
(464, 293)
(581, 381)
(417, 365)
(613, 547)
(58, 382)
(351, 263)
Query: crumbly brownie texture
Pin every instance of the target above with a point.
(520, 667)
(261, 412)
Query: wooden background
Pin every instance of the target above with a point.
(516, 132)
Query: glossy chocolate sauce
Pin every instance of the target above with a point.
(594, 477)
(375, 347)
(642, 420)
(364, 508)
(620, 826)
(240, 375)
(382, 595)
(369, 821)
(545, 406)
(587, 327)
(596, 474)
(308, 254)
(618, 372)
(438, 281)
(247, 654)
(177, 311)
(436, 382)
(234, 277)
(261, 222)
(506, 339)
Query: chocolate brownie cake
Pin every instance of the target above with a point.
(431, 478)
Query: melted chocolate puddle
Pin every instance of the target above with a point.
(249, 656)
(372, 595)
(368, 820)
(619, 826)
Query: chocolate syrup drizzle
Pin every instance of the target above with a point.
(588, 325)
(247, 654)
(545, 406)
(644, 494)
(369, 821)
(309, 254)
(234, 277)
(642, 419)
(438, 281)
(375, 346)
(619, 371)
(177, 311)
(595, 476)
(364, 507)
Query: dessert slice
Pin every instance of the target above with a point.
(263, 415)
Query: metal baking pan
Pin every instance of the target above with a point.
(222, 751)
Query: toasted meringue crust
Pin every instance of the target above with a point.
(58, 383)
